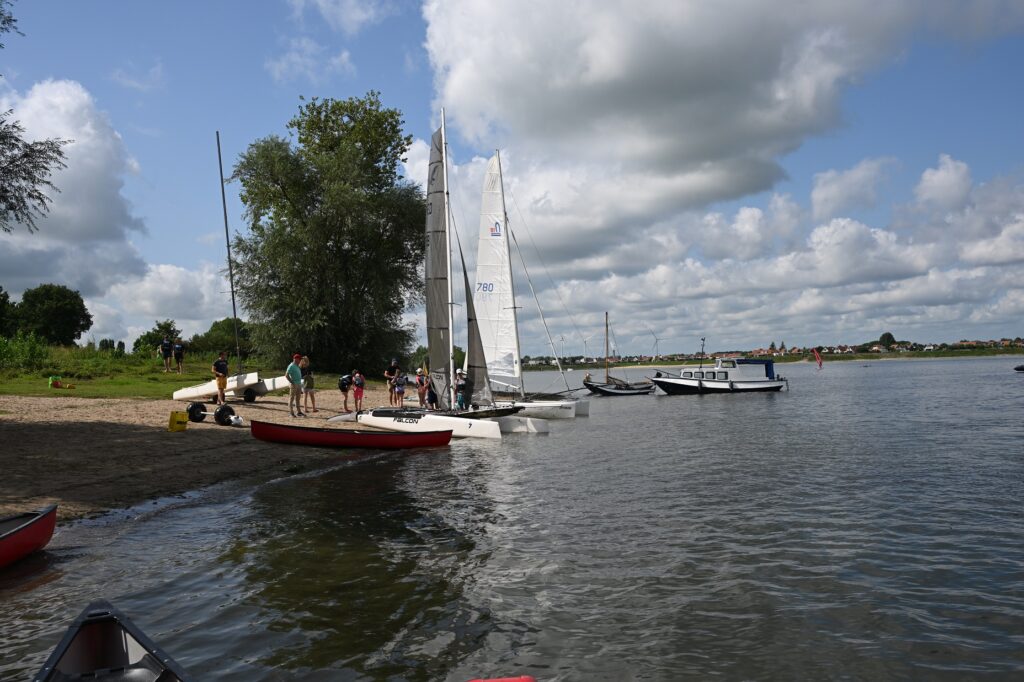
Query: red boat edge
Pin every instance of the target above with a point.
(347, 438)
(22, 534)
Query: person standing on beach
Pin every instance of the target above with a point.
(179, 354)
(390, 375)
(294, 375)
(344, 383)
(460, 389)
(421, 386)
(220, 371)
(308, 389)
(164, 348)
(358, 383)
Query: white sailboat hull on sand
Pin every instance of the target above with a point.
(236, 386)
(417, 423)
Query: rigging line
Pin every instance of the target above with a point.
(529, 234)
(533, 291)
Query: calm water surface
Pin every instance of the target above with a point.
(867, 524)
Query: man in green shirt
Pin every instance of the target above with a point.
(294, 374)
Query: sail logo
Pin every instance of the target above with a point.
(496, 229)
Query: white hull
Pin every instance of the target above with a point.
(582, 407)
(544, 409)
(267, 385)
(236, 385)
(460, 427)
(519, 424)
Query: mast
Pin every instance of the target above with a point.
(227, 239)
(701, 353)
(448, 246)
(606, 346)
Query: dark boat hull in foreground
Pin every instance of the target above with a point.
(102, 644)
(1019, 368)
(22, 534)
(616, 389)
(347, 438)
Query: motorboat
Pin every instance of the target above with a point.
(728, 375)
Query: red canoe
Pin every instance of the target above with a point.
(347, 438)
(22, 534)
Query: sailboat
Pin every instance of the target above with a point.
(495, 303)
(614, 386)
(440, 304)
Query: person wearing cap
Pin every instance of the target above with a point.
(460, 389)
(294, 375)
(220, 371)
(421, 386)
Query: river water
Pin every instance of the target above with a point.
(866, 524)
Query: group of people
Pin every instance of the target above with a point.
(302, 385)
(175, 349)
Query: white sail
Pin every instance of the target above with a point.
(494, 295)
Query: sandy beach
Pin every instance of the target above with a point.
(92, 455)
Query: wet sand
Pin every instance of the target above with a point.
(92, 455)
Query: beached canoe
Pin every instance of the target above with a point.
(103, 644)
(22, 534)
(347, 438)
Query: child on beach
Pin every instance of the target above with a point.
(357, 388)
(421, 386)
(308, 389)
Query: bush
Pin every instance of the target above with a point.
(24, 352)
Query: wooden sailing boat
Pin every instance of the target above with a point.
(614, 386)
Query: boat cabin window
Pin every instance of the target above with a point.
(687, 375)
(723, 376)
(698, 375)
(709, 375)
(729, 363)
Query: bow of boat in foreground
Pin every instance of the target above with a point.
(349, 438)
(22, 534)
(103, 644)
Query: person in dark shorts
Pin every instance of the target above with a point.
(165, 348)
(220, 370)
(390, 375)
(179, 354)
(344, 384)
(308, 387)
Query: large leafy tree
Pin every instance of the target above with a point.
(221, 336)
(147, 342)
(336, 236)
(7, 310)
(53, 312)
(25, 167)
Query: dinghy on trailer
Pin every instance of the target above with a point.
(237, 385)
(103, 645)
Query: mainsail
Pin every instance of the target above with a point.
(494, 295)
(439, 341)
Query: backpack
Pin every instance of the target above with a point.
(344, 382)
(400, 380)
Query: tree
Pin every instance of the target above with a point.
(335, 239)
(221, 336)
(7, 312)
(771, 346)
(150, 340)
(887, 340)
(782, 347)
(25, 167)
(54, 313)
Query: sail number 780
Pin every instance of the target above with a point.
(485, 286)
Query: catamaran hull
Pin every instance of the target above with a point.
(582, 407)
(237, 384)
(519, 424)
(546, 409)
(418, 423)
(697, 386)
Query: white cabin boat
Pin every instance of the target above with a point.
(729, 375)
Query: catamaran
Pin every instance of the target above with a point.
(495, 304)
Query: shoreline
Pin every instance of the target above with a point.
(93, 455)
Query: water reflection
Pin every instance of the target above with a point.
(352, 570)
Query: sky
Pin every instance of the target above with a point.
(749, 172)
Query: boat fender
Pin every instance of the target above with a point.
(730, 385)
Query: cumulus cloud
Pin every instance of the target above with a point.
(84, 241)
(835, 191)
(306, 59)
(946, 186)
